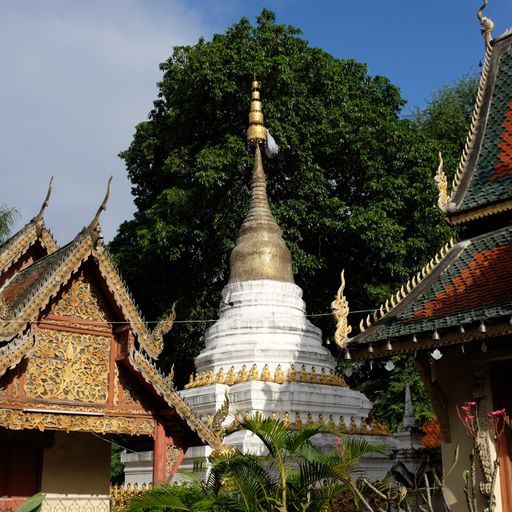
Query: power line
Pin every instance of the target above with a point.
(188, 321)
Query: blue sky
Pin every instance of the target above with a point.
(79, 75)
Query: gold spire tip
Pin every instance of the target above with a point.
(256, 132)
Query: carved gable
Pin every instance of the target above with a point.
(83, 300)
(69, 366)
(71, 362)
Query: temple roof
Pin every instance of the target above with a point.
(471, 283)
(483, 182)
(30, 290)
(26, 295)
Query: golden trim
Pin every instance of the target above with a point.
(487, 26)
(12, 353)
(481, 212)
(233, 377)
(406, 289)
(19, 420)
(365, 427)
(151, 374)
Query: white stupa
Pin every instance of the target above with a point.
(263, 353)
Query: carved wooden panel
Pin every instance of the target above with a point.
(83, 300)
(69, 366)
(19, 420)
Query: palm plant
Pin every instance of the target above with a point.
(7, 218)
(294, 476)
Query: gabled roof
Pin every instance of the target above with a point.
(30, 290)
(471, 283)
(483, 182)
(15, 247)
(27, 294)
(35, 231)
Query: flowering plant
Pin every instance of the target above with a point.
(496, 423)
(468, 415)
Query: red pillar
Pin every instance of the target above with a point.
(159, 454)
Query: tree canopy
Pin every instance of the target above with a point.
(7, 218)
(352, 186)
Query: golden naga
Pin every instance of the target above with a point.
(487, 25)
(163, 327)
(340, 310)
(220, 416)
(442, 185)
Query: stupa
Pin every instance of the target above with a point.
(263, 353)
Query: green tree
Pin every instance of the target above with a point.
(7, 218)
(352, 186)
(446, 118)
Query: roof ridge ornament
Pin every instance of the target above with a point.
(442, 185)
(39, 217)
(487, 25)
(340, 311)
(94, 226)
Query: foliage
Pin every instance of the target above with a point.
(387, 389)
(294, 476)
(447, 116)
(7, 217)
(351, 188)
(116, 466)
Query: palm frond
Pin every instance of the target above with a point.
(157, 497)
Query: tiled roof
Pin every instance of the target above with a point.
(14, 248)
(487, 177)
(472, 283)
(25, 282)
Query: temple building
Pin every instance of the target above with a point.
(455, 316)
(263, 353)
(78, 371)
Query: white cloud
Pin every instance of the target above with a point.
(77, 76)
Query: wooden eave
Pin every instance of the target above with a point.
(19, 244)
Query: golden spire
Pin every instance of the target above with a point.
(260, 251)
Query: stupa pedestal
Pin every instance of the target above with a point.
(266, 356)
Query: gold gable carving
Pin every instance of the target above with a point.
(18, 420)
(68, 366)
(83, 300)
(133, 392)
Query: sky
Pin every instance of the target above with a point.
(78, 75)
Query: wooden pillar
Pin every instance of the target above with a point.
(159, 454)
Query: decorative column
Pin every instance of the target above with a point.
(159, 454)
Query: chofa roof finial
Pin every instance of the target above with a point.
(487, 25)
(39, 216)
(340, 310)
(94, 225)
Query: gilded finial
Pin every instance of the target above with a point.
(94, 225)
(340, 310)
(487, 25)
(39, 216)
(260, 251)
(442, 185)
(256, 132)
